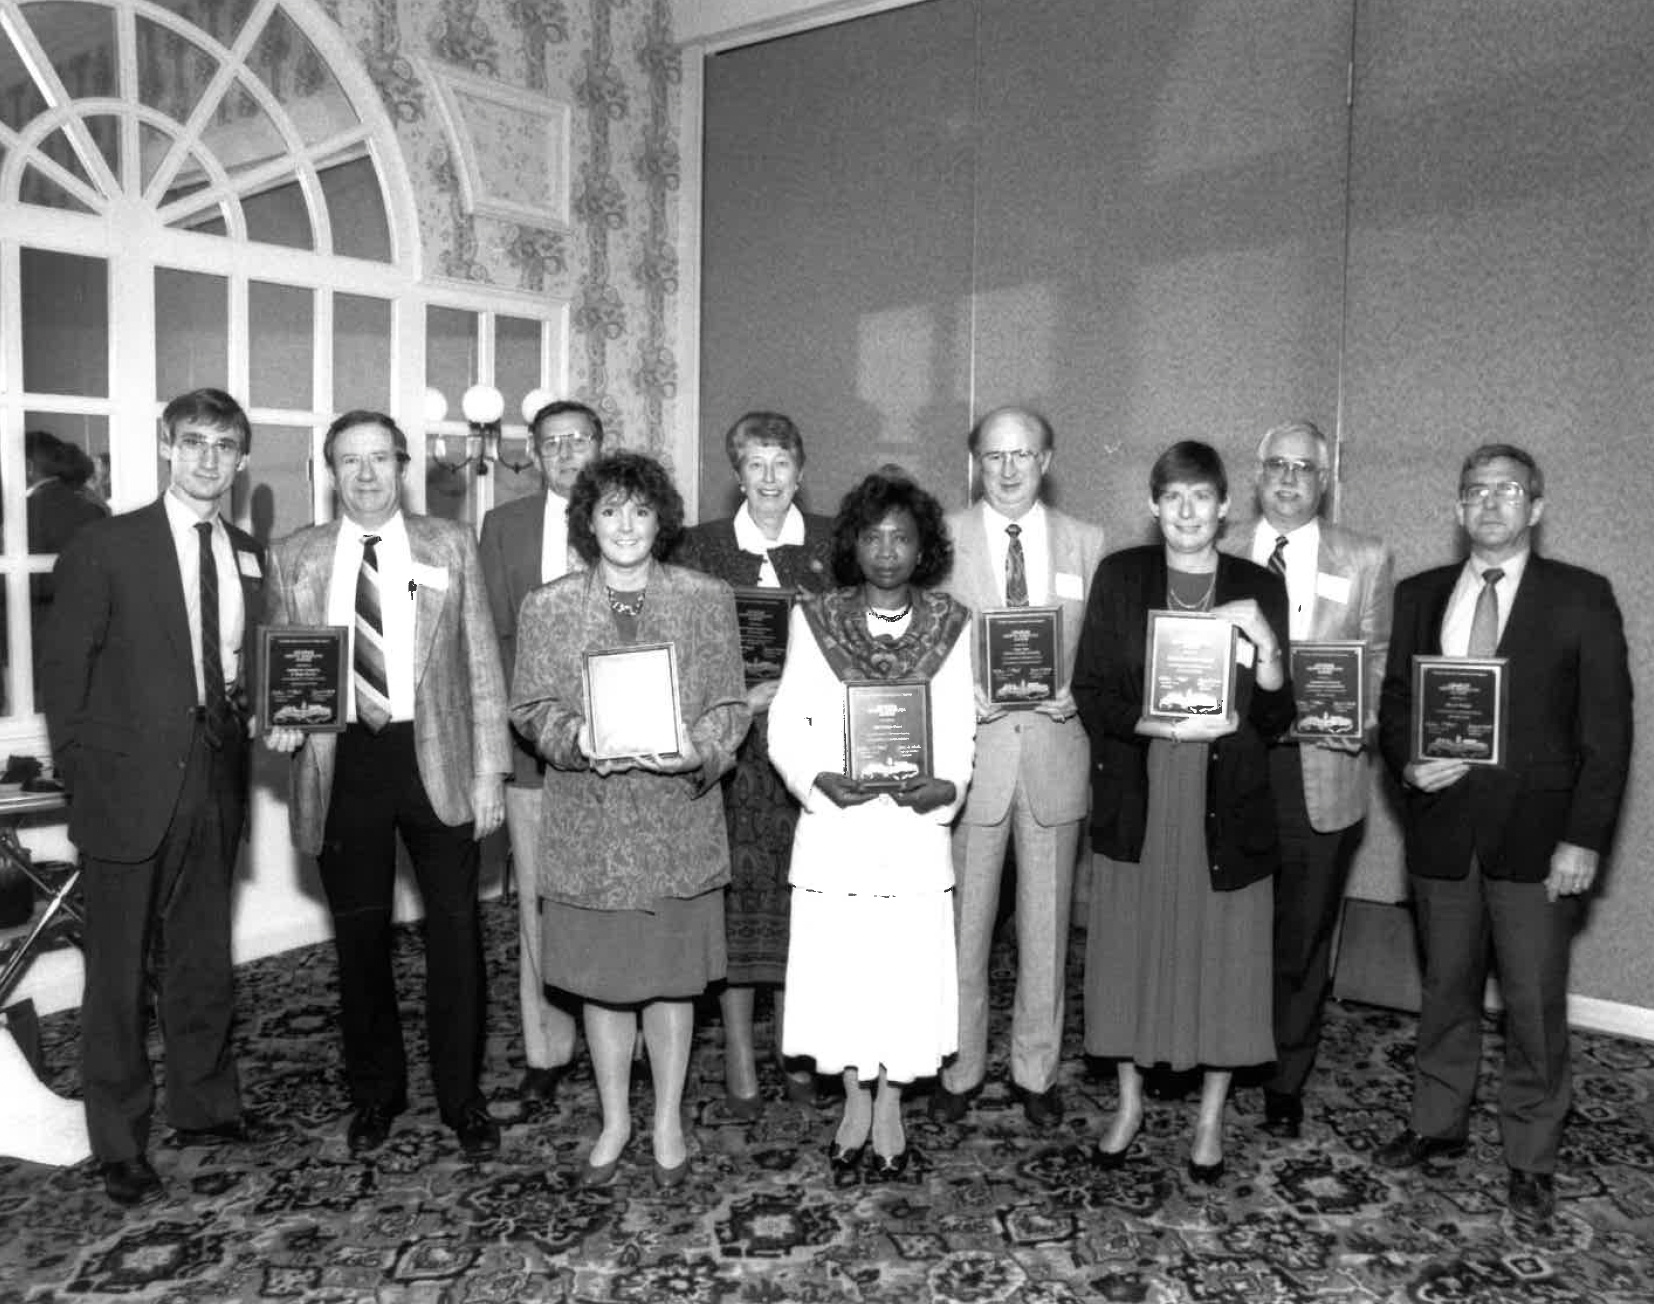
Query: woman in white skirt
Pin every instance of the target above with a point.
(871, 978)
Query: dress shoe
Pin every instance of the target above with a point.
(540, 1083)
(801, 1087)
(668, 1178)
(245, 1131)
(1407, 1149)
(948, 1106)
(1283, 1115)
(744, 1108)
(845, 1164)
(592, 1176)
(1205, 1174)
(369, 1128)
(478, 1133)
(1043, 1109)
(130, 1181)
(888, 1168)
(1109, 1160)
(1532, 1196)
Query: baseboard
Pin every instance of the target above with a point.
(1612, 1017)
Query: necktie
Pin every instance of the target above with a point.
(373, 705)
(1484, 624)
(1016, 572)
(1277, 559)
(212, 659)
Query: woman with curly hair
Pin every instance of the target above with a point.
(633, 857)
(871, 978)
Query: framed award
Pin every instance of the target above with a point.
(1188, 665)
(886, 731)
(1019, 652)
(632, 701)
(303, 677)
(1459, 709)
(762, 616)
(1329, 689)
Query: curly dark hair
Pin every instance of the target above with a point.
(624, 476)
(891, 489)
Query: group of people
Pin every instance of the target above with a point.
(749, 853)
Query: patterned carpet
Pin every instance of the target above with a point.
(990, 1214)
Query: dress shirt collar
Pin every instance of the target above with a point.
(750, 537)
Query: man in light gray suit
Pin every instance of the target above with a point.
(425, 756)
(1030, 788)
(526, 544)
(1339, 588)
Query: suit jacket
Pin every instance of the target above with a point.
(1568, 744)
(513, 537)
(1336, 783)
(1053, 759)
(624, 841)
(1241, 842)
(459, 692)
(118, 678)
(807, 567)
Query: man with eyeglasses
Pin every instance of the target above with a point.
(1338, 585)
(525, 544)
(1030, 789)
(423, 759)
(144, 664)
(1505, 854)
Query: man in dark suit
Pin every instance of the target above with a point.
(1506, 853)
(144, 667)
(425, 756)
(526, 544)
(1338, 586)
(1029, 789)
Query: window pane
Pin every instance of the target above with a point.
(172, 71)
(516, 361)
(279, 216)
(361, 353)
(295, 74)
(281, 328)
(79, 39)
(106, 134)
(192, 322)
(356, 209)
(38, 188)
(20, 99)
(65, 324)
(450, 353)
(272, 496)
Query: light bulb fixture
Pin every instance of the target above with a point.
(483, 407)
(533, 401)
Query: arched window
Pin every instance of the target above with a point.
(201, 192)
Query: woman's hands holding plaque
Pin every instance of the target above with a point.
(924, 793)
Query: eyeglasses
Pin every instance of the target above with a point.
(574, 443)
(1013, 457)
(1480, 495)
(198, 447)
(1279, 467)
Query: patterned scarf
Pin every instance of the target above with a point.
(839, 622)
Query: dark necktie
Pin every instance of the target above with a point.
(212, 658)
(1484, 624)
(1016, 571)
(373, 702)
(1277, 559)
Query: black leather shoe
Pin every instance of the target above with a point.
(1408, 1149)
(948, 1106)
(888, 1168)
(1283, 1115)
(1043, 1108)
(243, 1131)
(130, 1182)
(845, 1164)
(478, 1133)
(540, 1084)
(369, 1127)
(1532, 1196)
(1206, 1174)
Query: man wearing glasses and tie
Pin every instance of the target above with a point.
(1031, 786)
(525, 543)
(1506, 854)
(1338, 586)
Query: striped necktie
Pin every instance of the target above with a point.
(1277, 559)
(373, 703)
(1016, 571)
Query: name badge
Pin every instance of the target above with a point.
(1334, 588)
(429, 577)
(247, 564)
(1068, 586)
